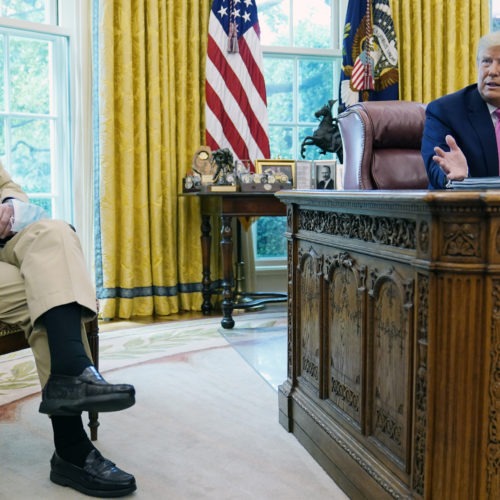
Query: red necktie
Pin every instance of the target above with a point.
(497, 133)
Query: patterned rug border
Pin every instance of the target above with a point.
(134, 345)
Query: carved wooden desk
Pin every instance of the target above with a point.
(394, 340)
(227, 206)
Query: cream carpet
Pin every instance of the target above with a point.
(205, 425)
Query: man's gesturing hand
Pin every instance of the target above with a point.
(452, 162)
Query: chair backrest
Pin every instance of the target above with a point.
(381, 141)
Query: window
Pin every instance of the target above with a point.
(495, 15)
(34, 103)
(302, 49)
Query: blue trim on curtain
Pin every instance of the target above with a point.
(95, 127)
(147, 291)
(101, 291)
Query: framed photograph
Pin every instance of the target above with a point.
(326, 175)
(305, 174)
(282, 170)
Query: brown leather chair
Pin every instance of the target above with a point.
(12, 339)
(381, 141)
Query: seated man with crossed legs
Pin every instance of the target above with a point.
(46, 290)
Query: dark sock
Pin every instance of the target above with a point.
(70, 439)
(67, 354)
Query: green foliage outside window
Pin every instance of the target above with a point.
(271, 242)
(32, 101)
(25, 124)
(298, 83)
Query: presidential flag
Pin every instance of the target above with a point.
(370, 54)
(235, 91)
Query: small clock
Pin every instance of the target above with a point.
(202, 161)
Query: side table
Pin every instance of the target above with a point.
(226, 206)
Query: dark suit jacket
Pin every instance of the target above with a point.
(328, 185)
(465, 116)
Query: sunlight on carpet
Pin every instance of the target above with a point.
(263, 347)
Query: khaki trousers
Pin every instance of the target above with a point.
(42, 267)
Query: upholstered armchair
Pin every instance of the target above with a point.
(12, 339)
(381, 142)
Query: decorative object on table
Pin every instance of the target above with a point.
(201, 173)
(191, 183)
(269, 176)
(242, 167)
(224, 178)
(202, 161)
(327, 136)
(305, 174)
(325, 172)
(203, 165)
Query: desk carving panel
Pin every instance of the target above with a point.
(394, 340)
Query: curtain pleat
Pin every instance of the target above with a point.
(437, 45)
(150, 94)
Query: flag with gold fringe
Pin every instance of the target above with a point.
(369, 55)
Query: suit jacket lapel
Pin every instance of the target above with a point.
(481, 123)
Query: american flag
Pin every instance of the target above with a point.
(362, 72)
(235, 91)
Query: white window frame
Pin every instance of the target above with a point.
(339, 9)
(61, 149)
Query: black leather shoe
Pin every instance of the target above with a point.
(99, 477)
(67, 395)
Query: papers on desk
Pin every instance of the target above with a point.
(475, 183)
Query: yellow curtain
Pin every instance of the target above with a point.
(150, 88)
(437, 45)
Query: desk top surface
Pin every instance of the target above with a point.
(486, 196)
(230, 194)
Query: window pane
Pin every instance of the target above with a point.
(35, 146)
(315, 87)
(29, 69)
(30, 154)
(2, 68)
(274, 22)
(495, 15)
(299, 82)
(270, 241)
(2, 140)
(312, 24)
(36, 11)
(281, 141)
(278, 73)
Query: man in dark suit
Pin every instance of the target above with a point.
(326, 181)
(459, 136)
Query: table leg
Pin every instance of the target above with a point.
(226, 245)
(206, 241)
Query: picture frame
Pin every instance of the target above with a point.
(305, 174)
(325, 174)
(276, 167)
